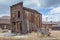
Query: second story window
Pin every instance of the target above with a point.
(18, 14)
(13, 23)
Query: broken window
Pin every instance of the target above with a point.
(18, 14)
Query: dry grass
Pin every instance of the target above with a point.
(55, 33)
(35, 36)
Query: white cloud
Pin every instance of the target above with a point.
(32, 3)
(35, 4)
(5, 6)
(53, 15)
(4, 1)
(55, 11)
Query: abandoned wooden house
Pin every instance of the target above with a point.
(24, 20)
(5, 22)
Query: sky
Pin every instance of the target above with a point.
(48, 8)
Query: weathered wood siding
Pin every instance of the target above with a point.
(29, 20)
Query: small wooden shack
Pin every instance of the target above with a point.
(5, 23)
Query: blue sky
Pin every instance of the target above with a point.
(48, 8)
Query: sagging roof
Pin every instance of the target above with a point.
(32, 10)
(25, 8)
(5, 20)
(5, 17)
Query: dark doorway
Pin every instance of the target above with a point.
(21, 27)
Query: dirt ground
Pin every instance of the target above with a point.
(55, 35)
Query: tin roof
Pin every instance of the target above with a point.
(5, 20)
